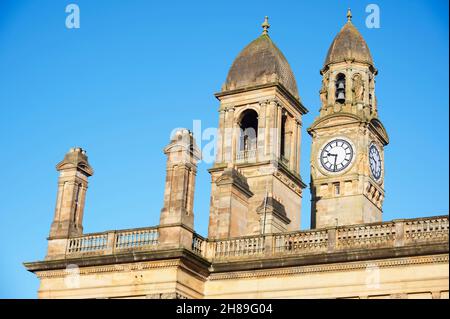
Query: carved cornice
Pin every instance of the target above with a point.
(398, 262)
(155, 257)
(379, 130)
(115, 268)
(110, 268)
(295, 101)
(287, 177)
(170, 295)
(353, 118)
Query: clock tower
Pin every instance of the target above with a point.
(348, 139)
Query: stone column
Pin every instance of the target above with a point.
(177, 216)
(73, 181)
(234, 135)
(72, 185)
(296, 144)
(262, 141)
(278, 130)
(365, 78)
(348, 87)
(227, 133)
(272, 129)
(332, 91)
(220, 158)
(293, 154)
(299, 141)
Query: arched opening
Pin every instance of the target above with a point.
(286, 137)
(283, 137)
(248, 135)
(340, 88)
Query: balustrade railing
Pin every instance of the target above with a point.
(110, 242)
(198, 244)
(136, 238)
(426, 229)
(377, 235)
(364, 236)
(301, 242)
(238, 247)
(246, 156)
(88, 244)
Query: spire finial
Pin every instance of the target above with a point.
(265, 25)
(349, 14)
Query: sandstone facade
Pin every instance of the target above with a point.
(254, 248)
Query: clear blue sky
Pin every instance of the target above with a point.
(137, 69)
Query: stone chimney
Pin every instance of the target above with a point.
(72, 186)
(177, 216)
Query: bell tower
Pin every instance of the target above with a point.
(258, 149)
(348, 139)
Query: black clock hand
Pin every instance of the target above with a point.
(335, 155)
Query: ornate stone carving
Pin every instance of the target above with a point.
(287, 181)
(324, 92)
(332, 267)
(110, 268)
(168, 295)
(358, 88)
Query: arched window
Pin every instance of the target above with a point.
(283, 137)
(248, 134)
(340, 88)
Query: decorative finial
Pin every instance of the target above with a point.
(266, 25)
(349, 14)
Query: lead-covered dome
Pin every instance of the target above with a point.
(348, 45)
(261, 62)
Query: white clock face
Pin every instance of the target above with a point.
(336, 155)
(375, 161)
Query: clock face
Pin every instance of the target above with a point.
(375, 161)
(336, 155)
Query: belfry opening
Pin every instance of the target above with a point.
(248, 126)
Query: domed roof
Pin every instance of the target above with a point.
(348, 45)
(261, 62)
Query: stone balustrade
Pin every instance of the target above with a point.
(88, 244)
(237, 247)
(365, 236)
(246, 156)
(113, 241)
(300, 242)
(198, 244)
(426, 229)
(377, 235)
